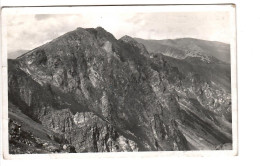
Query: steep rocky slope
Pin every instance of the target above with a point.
(90, 92)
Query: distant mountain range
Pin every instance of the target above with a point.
(188, 47)
(15, 54)
(86, 91)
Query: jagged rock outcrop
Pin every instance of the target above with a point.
(101, 94)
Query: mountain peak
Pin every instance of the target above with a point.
(80, 28)
(127, 38)
(131, 41)
(99, 28)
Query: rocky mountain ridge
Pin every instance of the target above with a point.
(94, 93)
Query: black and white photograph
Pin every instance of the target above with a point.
(120, 79)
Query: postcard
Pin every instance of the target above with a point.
(119, 81)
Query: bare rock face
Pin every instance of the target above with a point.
(101, 94)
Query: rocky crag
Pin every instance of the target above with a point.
(86, 91)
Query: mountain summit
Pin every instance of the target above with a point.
(86, 91)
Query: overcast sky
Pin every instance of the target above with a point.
(25, 32)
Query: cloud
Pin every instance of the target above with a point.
(30, 31)
(42, 16)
